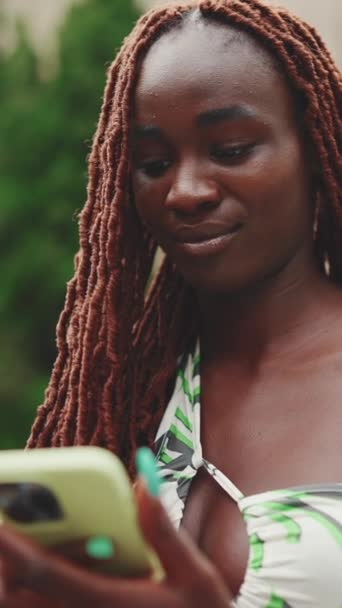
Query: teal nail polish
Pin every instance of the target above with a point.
(147, 469)
(99, 547)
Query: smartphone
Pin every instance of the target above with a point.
(64, 495)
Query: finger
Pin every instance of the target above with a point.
(24, 598)
(56, 578)
(184, 564)
(2, 580)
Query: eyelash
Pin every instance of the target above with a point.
(233, 154)
(226, 156)
(155, 168)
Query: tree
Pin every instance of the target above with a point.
(46, 129)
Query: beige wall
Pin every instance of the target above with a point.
(43, 16)
(324, 15)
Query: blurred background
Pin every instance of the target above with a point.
(53, 57)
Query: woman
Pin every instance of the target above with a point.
(219, 139)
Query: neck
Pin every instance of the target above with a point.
(264, 322)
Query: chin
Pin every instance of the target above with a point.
(216, 282)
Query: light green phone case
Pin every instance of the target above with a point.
(95, 496)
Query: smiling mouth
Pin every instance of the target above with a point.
(209, 245)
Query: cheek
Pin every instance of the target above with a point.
(275, 187)
(275, 170)
(274, 190)
(148, 199)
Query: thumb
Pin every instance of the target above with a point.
(185, 566)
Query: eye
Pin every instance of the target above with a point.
(229, 155)
(154, 168)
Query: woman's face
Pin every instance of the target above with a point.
(219, 171)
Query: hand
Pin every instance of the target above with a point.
(191, 580)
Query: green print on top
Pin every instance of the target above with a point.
(333, 526)
(292, 528)
(256, 554)
(276, 602)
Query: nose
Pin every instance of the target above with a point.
(192, 191)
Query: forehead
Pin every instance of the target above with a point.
(207, 61)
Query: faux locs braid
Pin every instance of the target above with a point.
(117, 350)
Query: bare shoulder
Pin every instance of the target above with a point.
(321, 341)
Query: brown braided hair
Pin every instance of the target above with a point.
(117, 349)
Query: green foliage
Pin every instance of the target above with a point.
(46, 127)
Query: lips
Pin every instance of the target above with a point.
(206, 240)
(206, 232)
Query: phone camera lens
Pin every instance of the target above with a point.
(33, 503)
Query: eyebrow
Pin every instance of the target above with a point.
(230, 113)
(204, 119)
(140, 131)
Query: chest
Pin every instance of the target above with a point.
(278, 433)
(216, 524)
